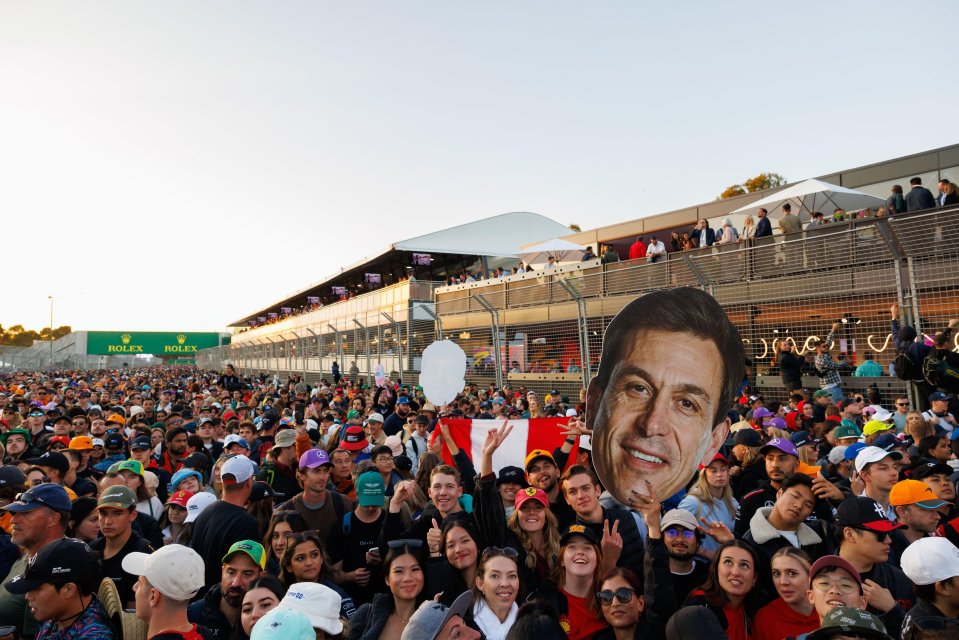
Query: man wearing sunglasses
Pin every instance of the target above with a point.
(862, 529)
(39, 517)
(682, 536)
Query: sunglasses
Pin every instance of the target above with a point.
(492, 552)
(880, 535)
(36, 414)
(675, 533)
(623, 594)
(412, 543)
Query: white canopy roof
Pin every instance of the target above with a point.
(814, 195)
(497, 236)
(559, 248)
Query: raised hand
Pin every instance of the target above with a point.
(576, 427)
(611, 545)
(433, 538)
(717, 530)
(495, 437)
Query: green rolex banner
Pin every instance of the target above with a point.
(150, 342)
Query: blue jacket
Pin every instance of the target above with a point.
(710, 236)
(763, 227)
(919, 198)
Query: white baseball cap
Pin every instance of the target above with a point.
(320, 604)
(585, 442)
(571, 413)
(930, 560)
(174, 570)
(868, 455)
(235, 439)
(375, 417)
(197, 503)
(240, 468)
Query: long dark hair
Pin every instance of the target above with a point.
(286, 562)
(404, 550)
(714, 593)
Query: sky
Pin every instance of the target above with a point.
(176, 165)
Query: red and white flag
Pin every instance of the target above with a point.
(526, 436)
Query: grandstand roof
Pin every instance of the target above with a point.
(500, 236)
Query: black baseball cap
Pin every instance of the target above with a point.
(52, 459)
(141, 443)
(113, 440)
(11, 476)
(58, 562)
(926, 469)
(864, 513)
(748, 437)
(579, 530)
(511, 474)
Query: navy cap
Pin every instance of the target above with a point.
(58, 562)
(748, 437)
(939, 395)
(511, 474)
(11, 476)
(49, 495)
(926, 469)
(113, 440)
(802, 438)
(141, 443)
(888, 442)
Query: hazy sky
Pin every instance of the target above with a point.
(176, 165)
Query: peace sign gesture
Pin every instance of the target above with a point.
(611, 544)
(495, 437)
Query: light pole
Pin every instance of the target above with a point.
(50, 298)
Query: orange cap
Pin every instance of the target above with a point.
(82, 443)
(914, 492)
(536, 454)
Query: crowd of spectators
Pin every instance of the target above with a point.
(221, 506)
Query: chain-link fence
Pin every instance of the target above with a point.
(544, 330)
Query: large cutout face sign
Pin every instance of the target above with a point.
(443, 371)
(671, 366)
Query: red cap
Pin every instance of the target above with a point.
(530, 493)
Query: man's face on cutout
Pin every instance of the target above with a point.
(655, 420)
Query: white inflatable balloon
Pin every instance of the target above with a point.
(443, 371)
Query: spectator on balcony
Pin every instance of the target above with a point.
(588, 254)
(656, 250)
(638, 249)
(749, 229)
(728, 233)
(687, 243)
(676, 241)
(610, 255)
(951, 194)
(895, 203)
(919, 197)
(941, 198)
(703, 235)
(816, 220)
(763, 227)
(789, 223)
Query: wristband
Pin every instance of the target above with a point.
(570, 440)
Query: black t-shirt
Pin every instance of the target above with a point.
(112, 567)
(683, 584)
(214, 532)
(351, 546)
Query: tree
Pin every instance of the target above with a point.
(17, 336)
(765, 180)
(575, 227)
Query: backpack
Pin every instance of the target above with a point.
(905, 367)
(939, 373)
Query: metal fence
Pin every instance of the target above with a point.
(544, 330)
(38, 358)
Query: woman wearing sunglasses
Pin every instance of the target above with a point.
(532, 529)
(791, 614)
(621, 599)
(387, 616)
(303, 560)
(497, 587)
